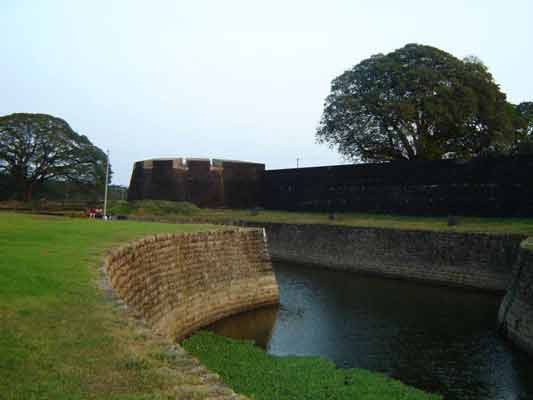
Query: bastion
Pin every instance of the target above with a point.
(204, 182)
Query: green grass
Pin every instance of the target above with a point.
(153, 207)
(250, 371)
(176, 211)
(59, 337)
(522, 226)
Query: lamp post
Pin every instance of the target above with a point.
(106, 182)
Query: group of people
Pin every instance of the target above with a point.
(95, 213)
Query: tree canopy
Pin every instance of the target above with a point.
(417, 102)
(35, 148)
(524, 143)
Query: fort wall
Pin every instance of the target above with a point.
(484, 187)
(181, 282)
(516, 310)
(500, 186)
(206, 183)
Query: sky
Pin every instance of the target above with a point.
(241, 80)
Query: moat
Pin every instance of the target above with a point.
(442, 340)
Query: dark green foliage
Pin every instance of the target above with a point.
(250, 371)
(524, 143)
(37, 148)
(417, 102)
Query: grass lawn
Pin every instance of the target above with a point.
(179, 211)
(466, 224)
(249, 370)
(59, 337)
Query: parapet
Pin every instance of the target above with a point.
(185, 163)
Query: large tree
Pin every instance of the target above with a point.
(417, 102)
(524, 141)
(36, 148)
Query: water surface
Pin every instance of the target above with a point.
(442, 340)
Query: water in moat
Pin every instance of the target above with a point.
(441, 340)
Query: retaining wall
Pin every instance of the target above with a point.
(474, 260)
(181, 282)
(516, 310)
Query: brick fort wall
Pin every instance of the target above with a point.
(206, 183)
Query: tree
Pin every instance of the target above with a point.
(524, 142)
(417, 102)
(525, 110)
(36, 148)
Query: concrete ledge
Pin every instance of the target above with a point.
(181, 282)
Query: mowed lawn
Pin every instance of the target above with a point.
(59, 336)
(521, 226)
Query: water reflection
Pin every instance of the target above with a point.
(439, 339)
(254, 325)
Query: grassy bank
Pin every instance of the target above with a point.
(178, 211)
(249, 370)
(59, 337)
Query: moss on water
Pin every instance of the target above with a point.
(251, 371)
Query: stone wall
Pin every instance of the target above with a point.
(458, 259)
(516, 310)
(495, 186)
(183, 281)
(204, 182)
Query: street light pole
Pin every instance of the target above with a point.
(106, 181)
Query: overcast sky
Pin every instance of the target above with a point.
(229, 79)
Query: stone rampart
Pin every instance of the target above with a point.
(183, 281)
(516, 310)
(487, 186)
(204, 182)
(473, 260)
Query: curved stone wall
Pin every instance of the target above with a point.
(516, 310)
(183, 281)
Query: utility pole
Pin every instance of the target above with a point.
(106, 182)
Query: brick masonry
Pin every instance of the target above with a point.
(475, 260)
(183, 281)
(516, 310)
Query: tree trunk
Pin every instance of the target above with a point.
(28, 190)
